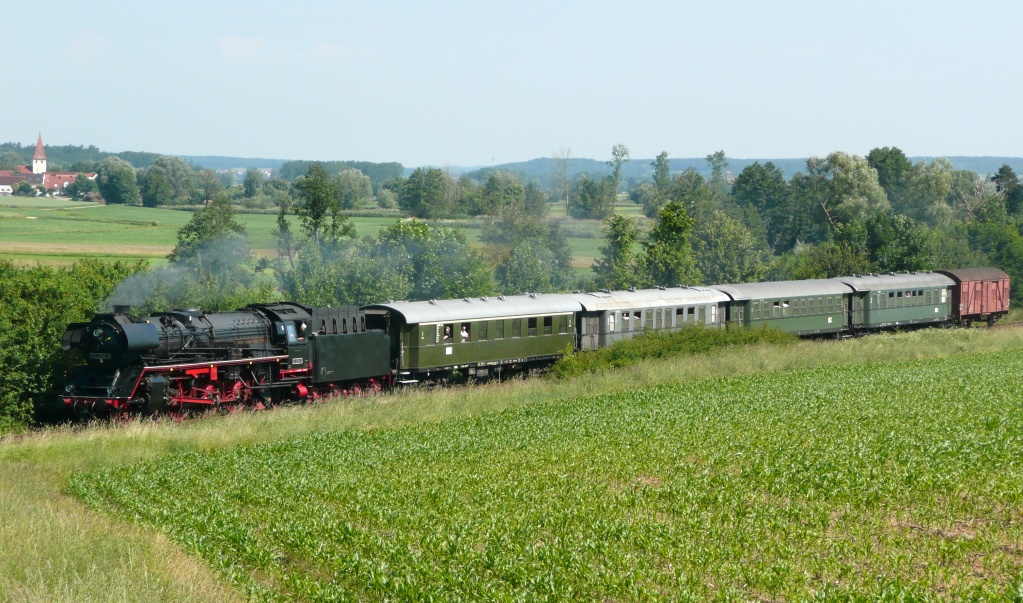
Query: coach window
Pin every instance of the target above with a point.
(713, 315)
(944, 292)
(548, 325)
(532, 326)
(481, 331)
(562, 324)
(610, 323)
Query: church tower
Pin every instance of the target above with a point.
(39, 158)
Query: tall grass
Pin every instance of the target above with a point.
(652, 345)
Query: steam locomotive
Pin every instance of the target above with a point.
(261, 354)
(187, 359)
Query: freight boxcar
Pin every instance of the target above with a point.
(979, 294)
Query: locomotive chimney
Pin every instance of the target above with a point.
(121, 308)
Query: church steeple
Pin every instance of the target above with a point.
(39, 158)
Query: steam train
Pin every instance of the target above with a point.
(261, 354)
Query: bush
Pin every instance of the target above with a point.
(648, 345)
(36, 305)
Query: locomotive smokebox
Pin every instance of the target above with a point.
(122, 309)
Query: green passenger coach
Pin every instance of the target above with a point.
(895, 300)
(481, 337)
(808, 307)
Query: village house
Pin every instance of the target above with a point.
(55, 183)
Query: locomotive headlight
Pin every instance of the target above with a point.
(97, 333)
(69, 388)
(110, 390)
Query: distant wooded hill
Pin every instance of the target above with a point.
(540, 170)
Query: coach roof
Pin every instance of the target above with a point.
(648, 298)
(783, 289)
(883, 282)
(478, 308)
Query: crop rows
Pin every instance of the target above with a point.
(878, 482)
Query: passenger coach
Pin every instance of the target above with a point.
(609, 316)
(812, 307)
(482, 336)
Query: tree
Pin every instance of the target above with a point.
(718, 164)
(669, 257)
(501, 190)
(534, 201)
(354, 188)
(827, 260)
(437, 262)
(840, 188)
(425, 193)
(1007, 184)
(253, 182)
(116, 181)
(319, 208)
(662, 173)
(726, 251)
(589, 199)
(179, 174)
(619, 155)
(763, 188)
(209, 227)
(514, 233)
(156, 188)
(210, 185)
(691, 190)
(893, 172)
(82, 186)
(24, 189)
(618, 266)
(562, 183)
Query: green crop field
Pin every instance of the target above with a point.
(892, 481)
(59, 231)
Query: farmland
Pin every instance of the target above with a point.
(832, 479)
(54, 231)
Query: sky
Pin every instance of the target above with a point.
(483, 82)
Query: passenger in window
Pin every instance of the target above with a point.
(447, 332)
(464, 334)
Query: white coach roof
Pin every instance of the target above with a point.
(478, 308)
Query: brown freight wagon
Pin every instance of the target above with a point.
(979, 294)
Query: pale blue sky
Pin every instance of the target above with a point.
(468, 83)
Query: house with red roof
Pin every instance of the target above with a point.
(55, 183)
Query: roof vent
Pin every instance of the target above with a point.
(433, 302)
(608, 291)
(466, 299)
(500, 297)
(532, 296)
(891, 274)
(576, 291)
(632, 289)
(661, 288)
(484, 298)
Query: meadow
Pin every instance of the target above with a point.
(56, 231)
(885, 468)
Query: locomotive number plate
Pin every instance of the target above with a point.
(296, 361)
(99, 356)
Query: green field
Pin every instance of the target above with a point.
(884, 481)
(59, 231)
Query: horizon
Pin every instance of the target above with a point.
(458, 83)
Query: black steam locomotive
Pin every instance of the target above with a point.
(185, 360)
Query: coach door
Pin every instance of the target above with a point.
(590, 332)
